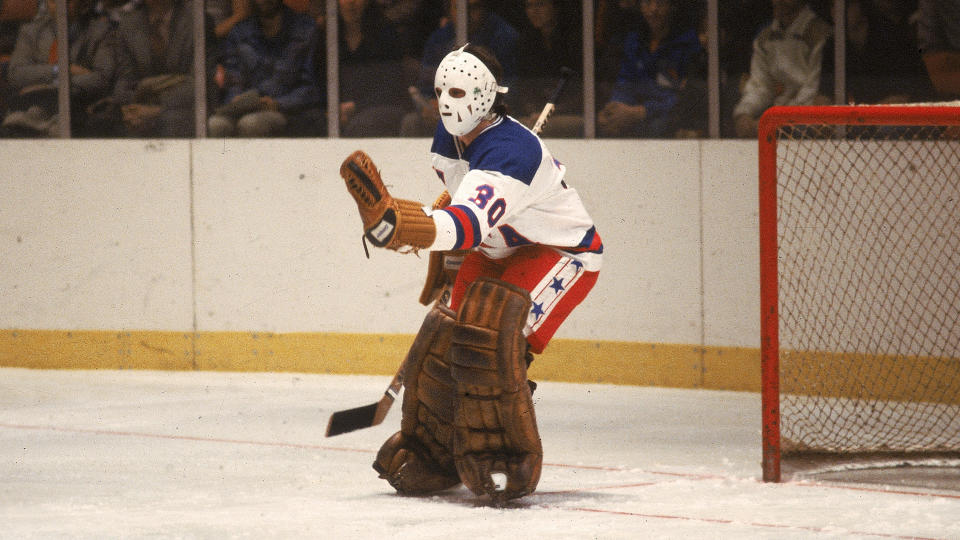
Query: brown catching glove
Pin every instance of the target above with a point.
(387, 222)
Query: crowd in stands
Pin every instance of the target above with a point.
(131, 63)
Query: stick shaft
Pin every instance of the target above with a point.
(548, 109)
(542, 120)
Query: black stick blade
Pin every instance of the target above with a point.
(352, 419)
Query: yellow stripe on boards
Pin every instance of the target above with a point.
(871, 376)
(61, 349)
(582, 361)
(610, 362)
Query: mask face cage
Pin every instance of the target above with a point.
(466, 91)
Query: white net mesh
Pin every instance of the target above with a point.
(869, 288)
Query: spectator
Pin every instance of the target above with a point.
(9, 28)
(615, 19)
(658, 60)
(550, 40)
(226, 14)
(155, 91)
(938, 36)
(34, 71)
(316, 9)
(270, 84)
(372, 95)
(786, 64)
(8, 37)
(413, 20)
(883, 64)
(484, 28)
(740, 21)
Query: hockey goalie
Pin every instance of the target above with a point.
(512, 252)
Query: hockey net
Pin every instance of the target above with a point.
(860, 282)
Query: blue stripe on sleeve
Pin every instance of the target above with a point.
(457, 225)
(467, 224)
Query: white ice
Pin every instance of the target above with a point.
(139, 454)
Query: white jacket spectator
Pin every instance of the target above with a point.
(785, 67)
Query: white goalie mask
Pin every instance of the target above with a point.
(466, 91)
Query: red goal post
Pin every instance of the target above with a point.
(859, 211)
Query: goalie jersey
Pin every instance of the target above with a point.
(508, 191)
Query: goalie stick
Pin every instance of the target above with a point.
(565, 74)
(373, 414)
(366, 416)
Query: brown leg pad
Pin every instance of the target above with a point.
(495, 425)
(418, 459)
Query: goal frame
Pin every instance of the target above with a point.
(769, 125)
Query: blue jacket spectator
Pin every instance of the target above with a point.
(277, 66)
(485, 28)
(268, 61)
(550, 39)
(657, 61)
(372, 94)
(492, 31)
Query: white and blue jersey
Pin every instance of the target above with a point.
(508, 191)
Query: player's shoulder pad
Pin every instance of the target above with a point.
(508, 148)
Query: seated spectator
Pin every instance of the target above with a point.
(316, 9)
(10, 22)
(373, 98)
(550, 40)
(740, 21)
(8, 38)
(786, 65)
(484, 27)
(658, 60)
(270, 85)
(226, 14)
(12, 16)
(413, 20)
(938, 36)
(615, 20)
(34, 71)
(690, 116)
(883, 64)
(155, 90)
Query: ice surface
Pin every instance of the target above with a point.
(134, 454)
